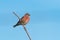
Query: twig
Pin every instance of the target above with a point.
(26, 32)
(16, 15)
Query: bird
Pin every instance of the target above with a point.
(23, 21)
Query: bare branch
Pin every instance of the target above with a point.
(16, 15)
(26, 32)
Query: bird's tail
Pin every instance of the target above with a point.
(14, 26)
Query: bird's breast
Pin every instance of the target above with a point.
(26, 19)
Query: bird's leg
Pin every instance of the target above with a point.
(16, 15)
(26, 31)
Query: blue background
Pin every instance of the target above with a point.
(44, 20)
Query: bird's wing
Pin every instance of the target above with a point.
(26, 32)
(16, 15)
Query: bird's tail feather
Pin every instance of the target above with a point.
(14, 26)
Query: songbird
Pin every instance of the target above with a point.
(23, 21)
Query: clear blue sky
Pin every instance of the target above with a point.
(44, 23)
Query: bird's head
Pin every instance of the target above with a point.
(27, 14)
